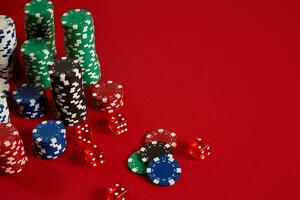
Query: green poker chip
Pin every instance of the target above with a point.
(37, 56)
(136, 165)
(39, 21)
(80, 43)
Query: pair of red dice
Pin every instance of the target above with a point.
(83, 137)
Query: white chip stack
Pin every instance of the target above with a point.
(4, 111)
(8, 50)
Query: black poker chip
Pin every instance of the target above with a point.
(154, 149)
(67, 91)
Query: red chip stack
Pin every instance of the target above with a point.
(107, 96)
(12, 153)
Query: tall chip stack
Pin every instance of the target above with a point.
(12, 154)
(67, 91)
(37, 56)
(80, 43)
(8, 50)
(39, 21)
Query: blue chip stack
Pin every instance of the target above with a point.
(49, 139)
(31, 101)
(8, 50)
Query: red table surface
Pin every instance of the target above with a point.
(224, 70)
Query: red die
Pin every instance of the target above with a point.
(199, 149)
(93, 155)
(117, 192)
(83, 135)
(118, 124)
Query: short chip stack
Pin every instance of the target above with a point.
(37, 56)
(107, 96)
(155, 158)
(31, 101)
(67, 91)
(8, 50)
(80, 43)
(39, 22)
(12, 154)
(49, 139)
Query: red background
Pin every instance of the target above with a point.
(224, 70)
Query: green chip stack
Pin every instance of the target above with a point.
(80, 43)
(37, 57)
(39, 21)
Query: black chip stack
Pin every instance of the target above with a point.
(67, 91)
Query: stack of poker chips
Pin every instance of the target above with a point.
(80, 43)
(49, 139)
(31, 101)
(107, 96)
(39, 21)
(4, 86)
(155, 158)
(12, 153)
(8, 50)
(37, 56)
(4, 110)
(67, 91)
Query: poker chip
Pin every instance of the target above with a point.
(12, 154)
(67, 91)
(39, 22)
(164, 171)
(4, 110)
(8, 50)
(49, 139)
(4, 86)
(135, 164)
(79, 40)
(37, 56)
(162, 135)
(154, 149)
(107, 96)
(31, 101)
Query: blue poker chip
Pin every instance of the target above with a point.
(163, 170)
(28, 94)
(47, 130)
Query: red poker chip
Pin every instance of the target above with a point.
(10, 149)
(9, 137)
(107, 92)
(162, 135)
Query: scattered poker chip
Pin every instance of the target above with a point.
(164, 171)
(8, 50)
(107, 96)
(79, 39)
(12, 154)
(31, 101)
(135, 164)
(39, 22)
(49, 139)
(37, 56)
(67, 91)
(4, 110)
(154, 149)
(162, 135)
